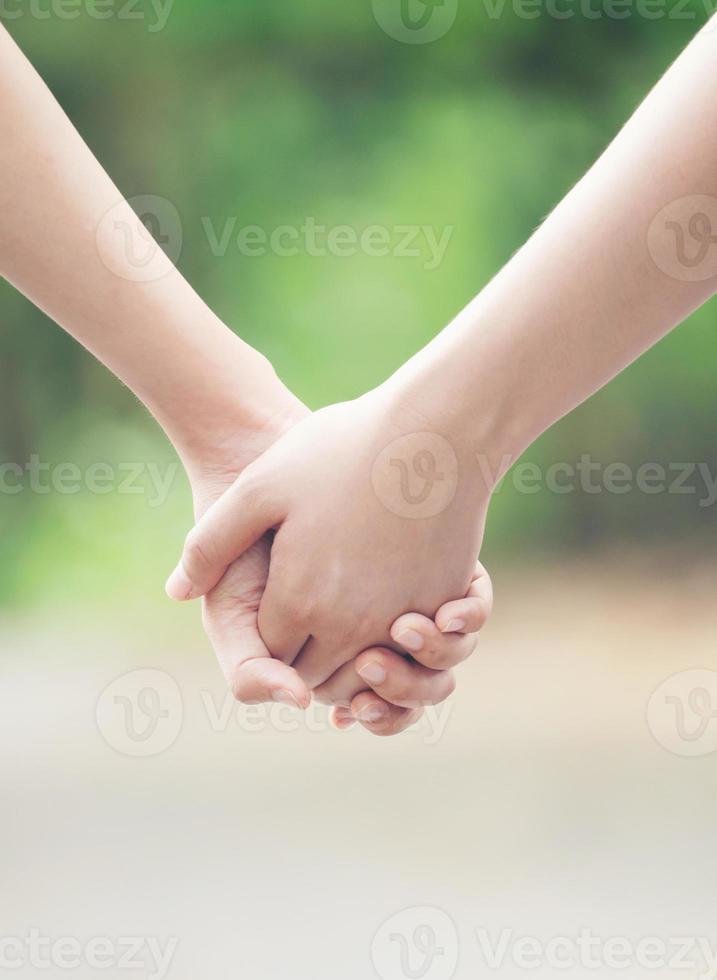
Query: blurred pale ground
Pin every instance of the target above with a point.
(544, 806)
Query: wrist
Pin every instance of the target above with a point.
(478, 380)
(233, 443)
(233, 408)
(247, 404)
(431, 392)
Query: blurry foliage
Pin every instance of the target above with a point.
(275, 112)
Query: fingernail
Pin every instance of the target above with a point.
(411, 640)
(282, 696)
(178, 585)
(371, 713)
(373, 673)
(344, 720)
(454, 626)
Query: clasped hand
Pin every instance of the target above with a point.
(317, 581)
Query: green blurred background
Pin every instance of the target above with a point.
(270, 113)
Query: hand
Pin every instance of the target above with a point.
(350, 555)
(385, 704)
(407, 685)
(230, 611)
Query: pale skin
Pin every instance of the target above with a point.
(218, 400)
(581, 300)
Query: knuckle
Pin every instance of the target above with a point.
(381, 728)
(197, 554)
(324, 695)
(337, 691)
(449, 654)
(246, 684)
(397, 723)
(240, 690)
(404, 691)
(438, 657)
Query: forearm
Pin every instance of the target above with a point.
(58, 247)
(585, 297)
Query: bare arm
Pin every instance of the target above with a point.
(398, 475)
(71, 244)
(626, 256)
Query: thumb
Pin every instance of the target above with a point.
(225, 531)
(230, 619)
(251, 672)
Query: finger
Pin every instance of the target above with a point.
(281, 622)
(397, 680)
(403, 682)
(341, 718)
(420, 637)
(470, 614)
(341, 687)
(252, 674)
(225, 531)
(265, 679)
(380, 718)
(230, 618)
(321, 658)
(451, 639)
(341, 690)
(375, 716)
